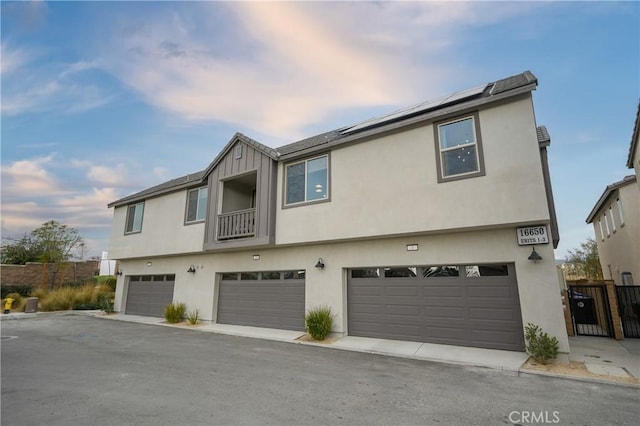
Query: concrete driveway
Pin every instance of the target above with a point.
(75, 370)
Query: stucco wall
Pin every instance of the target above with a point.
(620, 250)
(537, 283)
(163, 230)
(388, 186)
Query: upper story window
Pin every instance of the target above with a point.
(134, 218)
(601, 229)
(606, 224)
(197, 204)
(307, 180)
(459, 148)
(619, 205)
(612, 218)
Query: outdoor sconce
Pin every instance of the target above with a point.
(192, 269)
(534, 256)
(119, 272)
(320, 264)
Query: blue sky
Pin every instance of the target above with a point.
(103, 99)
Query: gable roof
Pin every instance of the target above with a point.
(169, 186)
(634, 139)
(469, 98)
(270, 152)
(607, 193)
(489, 92)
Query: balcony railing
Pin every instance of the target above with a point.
(239, 224)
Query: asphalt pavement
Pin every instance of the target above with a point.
(81, 370)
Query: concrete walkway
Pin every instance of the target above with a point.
(603, 356)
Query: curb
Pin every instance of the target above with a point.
(602, 381)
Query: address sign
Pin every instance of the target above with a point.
(531, 235)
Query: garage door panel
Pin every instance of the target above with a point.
(262, 303)
(148, 298)
(458, 310)
(491, 314)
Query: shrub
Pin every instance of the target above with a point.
(539, 345)
(318, 322)
(174, 312)
(105, 301)
(22, 290)
(89, 306)
(193, 317)
(60, 299)
(109, 280)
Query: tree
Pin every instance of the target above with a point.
(585, 262)
(51, 243)
(21, 251)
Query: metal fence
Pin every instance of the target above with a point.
(629, 309)
(590, 310)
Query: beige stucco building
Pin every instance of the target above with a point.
(417, 226)
(616, 221)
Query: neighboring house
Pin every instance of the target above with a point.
(405, 225)
(616, 221)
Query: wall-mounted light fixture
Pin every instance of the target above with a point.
(412, 247)
(256, 257)
(320, 264)
(534, 256)
(119, 272)
(192, 269)
(148, 263)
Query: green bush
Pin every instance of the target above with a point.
(193, 317)
(539, 345)
(109, 280)
(105, 301)
(22, 290)
(318, 322)
(88, 306)
(174, 312)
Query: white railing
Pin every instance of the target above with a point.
(239, 224)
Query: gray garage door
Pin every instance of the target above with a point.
(465, 305)
(262, 299)
(149, 294)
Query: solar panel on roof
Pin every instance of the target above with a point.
(444, 100)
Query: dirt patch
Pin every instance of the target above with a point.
(308, 338)
(575, 369)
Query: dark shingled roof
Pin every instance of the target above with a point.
(607, 192)
(492, 89)
(523, 81)
(170, 186)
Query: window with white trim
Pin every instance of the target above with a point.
(459, 148)
(197, 204)
(601, 229)
(619, 205)
(307, 181)
(612, 219)
(134, 218)
(606, 224)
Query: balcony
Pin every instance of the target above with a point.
(238, 224)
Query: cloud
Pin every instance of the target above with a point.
(34, 82)
(30, 178)
(286, 65)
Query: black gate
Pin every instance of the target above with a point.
(629, 309)
(590, 310)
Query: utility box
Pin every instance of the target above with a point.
(31, 306)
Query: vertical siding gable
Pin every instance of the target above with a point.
(252, 160)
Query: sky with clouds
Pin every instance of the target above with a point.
(102, 99)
